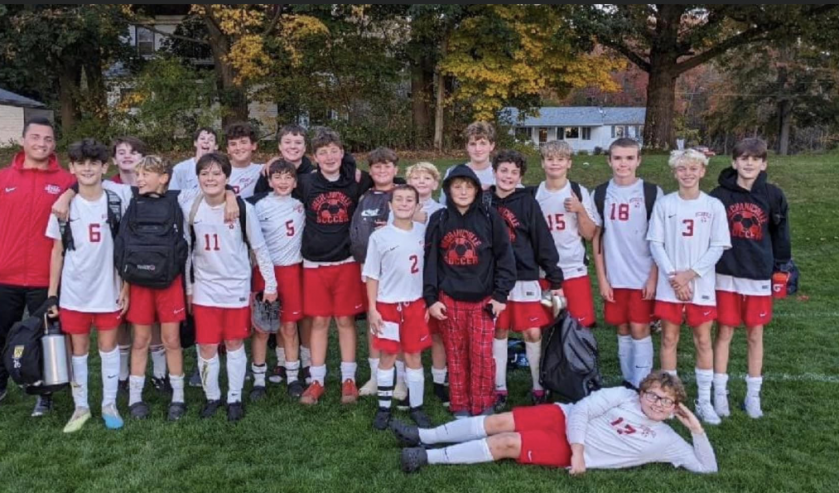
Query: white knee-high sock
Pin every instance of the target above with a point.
(462, 430)
(625, 356)
(753, 385)
(292, 370)
(721, 383)
(237, 366)
(158, 360)
(259, 374)
(415, 378)
(209, 369)
(177, 382)
(704, 379)
(473, 452)
(534, 357)
(135, 389)
(642, 356)
(110, 376)
(80, 381)
(124, 361)
(438, 375)
(499, 353)
(348, 371)
(384, 379)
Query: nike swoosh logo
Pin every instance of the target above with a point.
(111, 377)
(671, 216)
(762, 315)
(178, 311)
(533, 319)
(705, 314)
(9, 190)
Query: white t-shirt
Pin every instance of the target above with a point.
(243, 180)
(687, 228)
(625, 248)
(486, 176)
(617, 434)
(220, 258)
(564, 227)
(183, 176)
(431, 206)
(281, 220)
(89, 280)
(395, 258)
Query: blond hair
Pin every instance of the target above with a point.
(423, 167)
(155, 164)
(687, 156)
(556, 148)
(666, 382)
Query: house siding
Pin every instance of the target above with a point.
(11, 125)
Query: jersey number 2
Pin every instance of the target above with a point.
(414, 264)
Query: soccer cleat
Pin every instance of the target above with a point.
(295, 389)
(110, 414)
(420, 418)
(442, 393)
(369, 388)
(122, 387)
(177, 410)
(349, 392)
(538, 397)
(195, 378)
(139, 410)
(312, 394)
(305, 375)
(278, 374)
(413, 459)
(258, 393)
(162, 385)
(43, 405)
(407, 434)
(210, 408)
(752, 407)
(721, 404)
(235, 411)
(400, 390)
(77, 420)
(500, 401)
(705, 412)
(382, 419)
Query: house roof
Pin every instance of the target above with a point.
(583, 116)
(12, 99)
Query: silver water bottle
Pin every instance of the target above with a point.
(56, 369)
(555, 303)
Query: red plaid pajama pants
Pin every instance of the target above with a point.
(467, 334)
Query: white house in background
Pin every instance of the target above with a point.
(15, 110)
(583, 127)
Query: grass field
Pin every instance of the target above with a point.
(281, 446)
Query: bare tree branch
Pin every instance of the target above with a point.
(628, 53)
(278, 10)
(744, 37)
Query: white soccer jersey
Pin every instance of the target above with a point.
(395, 258)
(220, 258)
(617, 434)
(281, 220)
(243, 180)
(687, 229)
(89, 280)
(625, 248)
(183, 176)
(564, 227)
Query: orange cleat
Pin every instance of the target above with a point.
(312, 394)
(349, 392)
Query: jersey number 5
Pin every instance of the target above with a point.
(289, 228)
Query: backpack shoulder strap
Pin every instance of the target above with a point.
(650, 195)
(191, 219)
(243, 220)
(114, 212)
(66, 236)
(600, 201)
(576, 190)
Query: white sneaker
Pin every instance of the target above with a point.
(705, 412)
(400, 391)
(752, 407)
(721, 404)
(369, 388)
(77, 420)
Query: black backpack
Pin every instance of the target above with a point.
(650, 196)
(23, 355)
(114, 218)
(151, 249)
(570, 361)
(364, 223)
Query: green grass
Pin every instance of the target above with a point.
(281, 446)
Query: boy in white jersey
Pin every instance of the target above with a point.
(688, 234)
(91, 292)
(626, 272)
(219, 281)
(480, 142)
(610, 429)
(281, 218)
(393, 269)
(569, 220)
(425, 177)
(205, 140)
(241, 144)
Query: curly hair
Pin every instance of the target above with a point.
(666, 382)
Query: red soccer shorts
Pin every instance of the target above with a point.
(629, 307)
(79, 323)
(157, 305)
(333, 291)
(414, 336)
(695, 315)
(522, 315)
(734, 309)
(542, 431)
(580, 301)
(215, 325)
(289, 290)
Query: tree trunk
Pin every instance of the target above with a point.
(68, 89)
(663, 70)
(97, 92)
(440, 108)
(233, 98)
(422, 93)
(784, 124)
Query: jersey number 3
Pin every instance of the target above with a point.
(688, 227)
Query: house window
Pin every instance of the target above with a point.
(619, 131)
(523, 134)
(560, 133)
(543, 135)
(145, 41)
(572, 132)
(586, 133)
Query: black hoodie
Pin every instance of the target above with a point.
(305, 168)
(533, 245)
(758, 222)
(468, 256)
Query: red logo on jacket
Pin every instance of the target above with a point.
(747, 221)
(511, 221)
(332, 208)
(461, 247)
